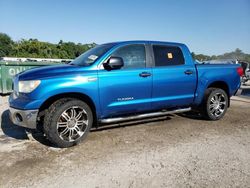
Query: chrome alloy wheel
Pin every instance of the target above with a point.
(72, 123)
(217, 104)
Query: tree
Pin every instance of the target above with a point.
(60, 42)
(6, 45)
(238, 51)
(70, 50)
(202, 57)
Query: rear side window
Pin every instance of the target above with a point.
(167, 55)
(134, 56)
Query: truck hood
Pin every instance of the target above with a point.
(50, 71)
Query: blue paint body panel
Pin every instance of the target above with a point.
(119, 92)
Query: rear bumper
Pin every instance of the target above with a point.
(24, 118)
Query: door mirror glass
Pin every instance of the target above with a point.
(114, 63)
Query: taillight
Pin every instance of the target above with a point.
(240, 71)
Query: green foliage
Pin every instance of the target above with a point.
(6, 45)
(70, 50)
(38, 49)
(201, 57)
(237, 54)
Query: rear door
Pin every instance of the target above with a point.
(127, 90)
(174, 80)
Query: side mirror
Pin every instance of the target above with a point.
(114, 63)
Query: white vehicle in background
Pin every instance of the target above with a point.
(246, 71)
(24, 59)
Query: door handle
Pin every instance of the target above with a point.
(188, 72)
(145, 74)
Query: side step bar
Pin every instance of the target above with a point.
(141, 116)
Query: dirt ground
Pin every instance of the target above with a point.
(173, 151)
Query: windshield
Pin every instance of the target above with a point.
(90, 56)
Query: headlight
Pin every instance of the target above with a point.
(28, 86)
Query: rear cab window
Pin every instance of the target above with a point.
(167, 55)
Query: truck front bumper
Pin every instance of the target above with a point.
(24, 118)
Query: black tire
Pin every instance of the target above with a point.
(214, 110)
(56, 113)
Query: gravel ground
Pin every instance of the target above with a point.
(173, 151)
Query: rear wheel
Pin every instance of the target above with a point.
(215, 103)
(67, 122)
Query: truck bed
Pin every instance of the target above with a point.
(209, 73)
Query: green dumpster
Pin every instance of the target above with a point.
(9, 69)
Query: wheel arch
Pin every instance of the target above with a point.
(85, 98)
(221, 85)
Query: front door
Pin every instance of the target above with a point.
(127, 90)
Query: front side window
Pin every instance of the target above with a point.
(134, 56)
(167, 55)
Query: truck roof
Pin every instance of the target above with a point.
(146, 41)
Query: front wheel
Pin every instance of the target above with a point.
(67, 122)
(215, 103)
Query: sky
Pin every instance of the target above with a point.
(210, 27)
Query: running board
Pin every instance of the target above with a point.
(141, 116)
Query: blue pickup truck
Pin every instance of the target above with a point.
(116, 82)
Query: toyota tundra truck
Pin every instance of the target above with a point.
(119, 81)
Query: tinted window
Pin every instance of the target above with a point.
(167, 55)
(134, 56)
